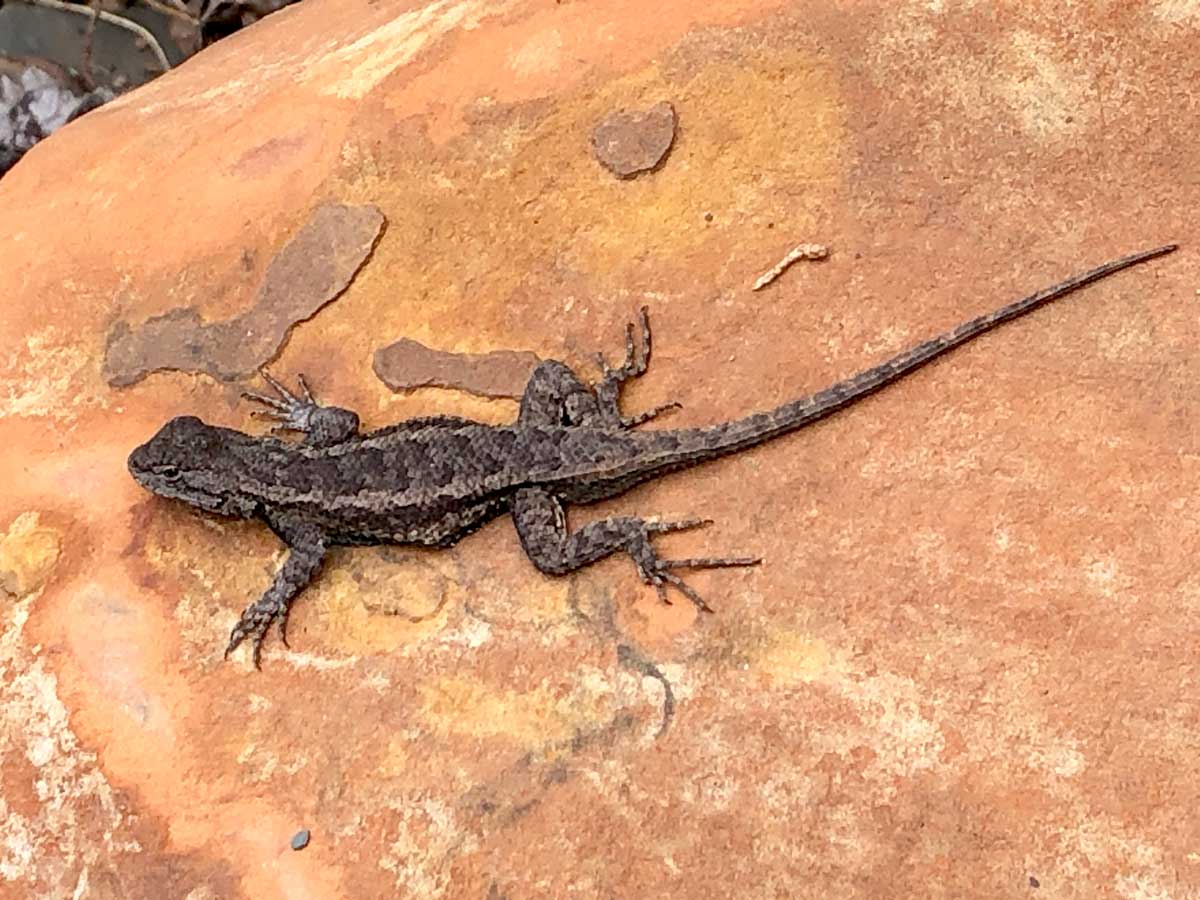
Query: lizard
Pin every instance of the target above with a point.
(431, 481)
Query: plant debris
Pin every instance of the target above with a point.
(59, 59)
(800, 251)
(35, 101)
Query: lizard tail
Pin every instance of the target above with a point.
(699, 444)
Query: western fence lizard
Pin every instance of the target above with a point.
(432, 481)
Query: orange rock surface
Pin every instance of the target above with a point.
(968, 666)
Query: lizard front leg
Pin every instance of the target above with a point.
(307, 550)
(323, 426)
(542, 527)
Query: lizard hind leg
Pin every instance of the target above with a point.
(637, 361)
(542, 528)
(554, 396)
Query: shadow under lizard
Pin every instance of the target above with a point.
(432, 481)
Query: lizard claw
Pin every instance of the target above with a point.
(283, 620)
(661, 576)
(637, 355)
(240, 633)
(253, 626)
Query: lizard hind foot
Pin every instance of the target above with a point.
(637, 354)
(659, 572)
(637, 361)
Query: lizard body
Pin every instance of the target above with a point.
(431, 481)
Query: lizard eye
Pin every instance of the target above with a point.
(169, 472)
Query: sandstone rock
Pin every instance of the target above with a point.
(969, 661)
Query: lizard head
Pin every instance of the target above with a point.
(187, 460)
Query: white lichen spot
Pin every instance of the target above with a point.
(428, 839)
(1096, 847)
(1061, 758)
(1104, 575)
(891, 340)
(891, 723)
(352, 70)
(540, 55)
(40, 751)
(50, 377)
(66, 779)
(1049, 95)
(683, 685)
(933, 553)
(472, 633)
(1017, 79)
(81, 885)
(1001, 538)
(203, 892)
(1176, 12)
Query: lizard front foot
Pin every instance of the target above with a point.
(290, 411)
(255, 620)
(322, 425)
(307, 550)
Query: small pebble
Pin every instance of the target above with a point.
(300, 839)
(630, 142)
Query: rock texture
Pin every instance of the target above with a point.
(968, 667)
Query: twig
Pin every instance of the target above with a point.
(89, 38)
(801, 251)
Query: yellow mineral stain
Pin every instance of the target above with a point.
(28, 553)
(461, 706)
(795, 658)
(397, 760)
(391, 606)
(723, 124)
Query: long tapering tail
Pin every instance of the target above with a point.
(698, 444)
